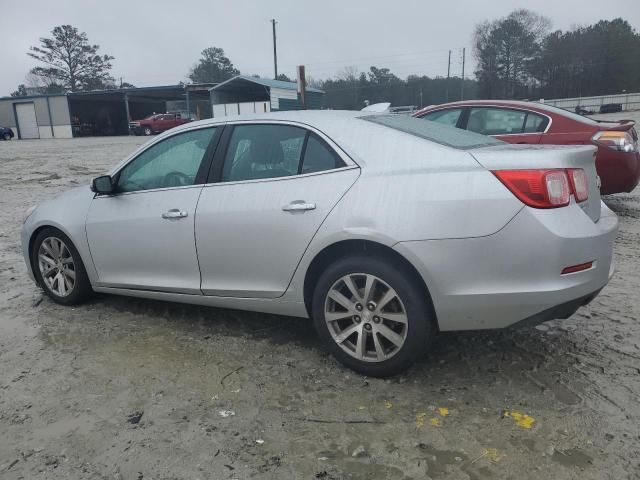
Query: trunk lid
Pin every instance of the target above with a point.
(525, 157)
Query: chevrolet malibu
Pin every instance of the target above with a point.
(384, 229)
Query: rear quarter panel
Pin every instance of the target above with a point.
(439, 193)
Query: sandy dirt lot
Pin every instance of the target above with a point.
(121, 388)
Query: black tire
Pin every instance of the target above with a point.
(420, 322)
(81, 289)
(147, 131)
(6, 136)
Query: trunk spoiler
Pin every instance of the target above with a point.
(619, 125)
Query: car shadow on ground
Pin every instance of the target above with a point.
(538, 358)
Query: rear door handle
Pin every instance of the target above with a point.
(299, 206)
(174, 213)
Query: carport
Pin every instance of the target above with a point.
(108, 112)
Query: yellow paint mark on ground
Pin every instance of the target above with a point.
(388, 404)
(443, 411)
(420, 418)
(492, 454)
(435, 421)
(362, 407)
(521, 419)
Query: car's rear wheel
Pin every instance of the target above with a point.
(6, 136)
(147, 131)
(372, 315)
(58, 268)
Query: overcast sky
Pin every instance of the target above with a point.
(156, 42)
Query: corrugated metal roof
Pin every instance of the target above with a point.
(266, 82)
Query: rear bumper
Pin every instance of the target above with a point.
(515, 274)
(618, 171)
(564, 310)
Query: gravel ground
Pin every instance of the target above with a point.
(121, 388)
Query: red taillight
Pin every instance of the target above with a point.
(537, 188)
(546, 188)
(579, 184)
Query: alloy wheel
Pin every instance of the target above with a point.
(56, 266)
(366, 317)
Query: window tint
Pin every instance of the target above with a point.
(496, 121)
(263, 151)
(535, 123)
(173, 162)
(433, 131)
(318, 157)
(446, 117)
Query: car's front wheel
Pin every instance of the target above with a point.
(372, 315)
(6, 136)
(147, 131)
(58, 268)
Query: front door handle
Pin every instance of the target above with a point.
(174, 213)
(299, 206)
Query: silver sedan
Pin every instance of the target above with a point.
(383, 229)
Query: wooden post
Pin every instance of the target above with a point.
(302, 87)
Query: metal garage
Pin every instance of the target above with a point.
(37, 116)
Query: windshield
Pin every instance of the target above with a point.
(434, 132)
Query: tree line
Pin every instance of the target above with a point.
(517, 57)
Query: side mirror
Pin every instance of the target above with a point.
(102, 185)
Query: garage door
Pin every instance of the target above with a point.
(27, 120)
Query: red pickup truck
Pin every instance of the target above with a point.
(156, 123)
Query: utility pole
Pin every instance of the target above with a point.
(448, 72)
(462, 84)
(275, 51)
(302, 87)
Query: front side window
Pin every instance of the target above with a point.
(446, 117)
(173, 162)
(496, 121)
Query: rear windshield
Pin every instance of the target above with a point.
(567, 113)
(435, 132)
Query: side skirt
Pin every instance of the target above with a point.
(274, 306)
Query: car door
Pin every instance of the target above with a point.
(165, 122)
(141, 237)
(506, 124)
(272, 187)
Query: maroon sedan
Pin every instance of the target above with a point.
(617, 159)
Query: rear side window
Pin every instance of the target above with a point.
(496, 121)
(446, 117)
(263, 151)
(535, 123)
(272, 151)
(318, 157)
(433, 131)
